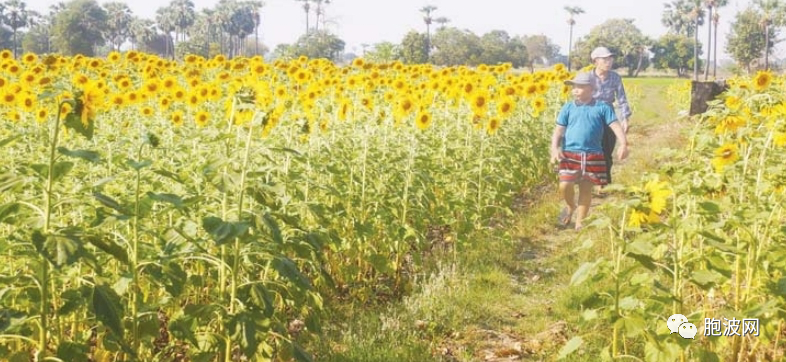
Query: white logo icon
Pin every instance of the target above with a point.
(674, 322)
(688, 330)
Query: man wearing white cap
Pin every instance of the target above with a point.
(609, 88)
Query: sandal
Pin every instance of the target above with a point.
(564, 217)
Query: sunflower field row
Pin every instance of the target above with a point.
(206, 210)
(703, 237)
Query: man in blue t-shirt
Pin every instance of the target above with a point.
(577, 144)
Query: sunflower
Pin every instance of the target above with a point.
(133, 97)
(117, 100)
(538, 105)
(147, 111)
(179, 94)
(762, 80)
(41, 115)
(13, 116)
(344, 108)
(479, 103)
(113, 56)
(367, 102)
(423, 119)
(27, 102)
(531, 89)
(729, 124)
(658, 192)
(14, 68)
(80, 80)
(177, 118)
(152, 86)
(90, 100)
(194, 99)
(8, 98)
(169, 83)
(201, 118)
(29, 78)
(779, 139)
(124, 83)
(505, 107)
(164, 102)
(724, 156)
(493, 125)
(641, 217)
(733, 103)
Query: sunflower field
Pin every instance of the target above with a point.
(702, 237)
(206, 210)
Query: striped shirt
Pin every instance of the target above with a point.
(610, 90)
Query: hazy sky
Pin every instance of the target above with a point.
(370, 21)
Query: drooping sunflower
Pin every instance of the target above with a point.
(733, 103)
(90, 100)
(729, 124)
(658, 193)
(637, 218)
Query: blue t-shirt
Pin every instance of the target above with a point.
(584, 125)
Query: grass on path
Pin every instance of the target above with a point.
(507, 298)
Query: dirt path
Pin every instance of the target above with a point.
(505, 297)
(543, 309)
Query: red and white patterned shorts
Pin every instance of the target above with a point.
(578, 166)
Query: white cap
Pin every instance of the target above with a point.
(600, 52)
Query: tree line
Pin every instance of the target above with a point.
(231, 28)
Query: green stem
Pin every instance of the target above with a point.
(135, 258)
(363, 179)
(480, 179)
(44, 283)
(236, 260)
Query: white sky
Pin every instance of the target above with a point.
(371, 21)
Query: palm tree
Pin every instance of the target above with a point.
(306, 9)
(773, 16)
(715, 21)
(166, 22)
(256, 15)
(696, 15)
(710, 5)
(319, 12)
(572, 11)
(183, 16)
(428, 9)
(140, 31)
(15, 16)
(441, 21)
(118, 23)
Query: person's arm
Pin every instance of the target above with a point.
(622, 102)
(559, 134)
(622, 141)
(556, 141)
